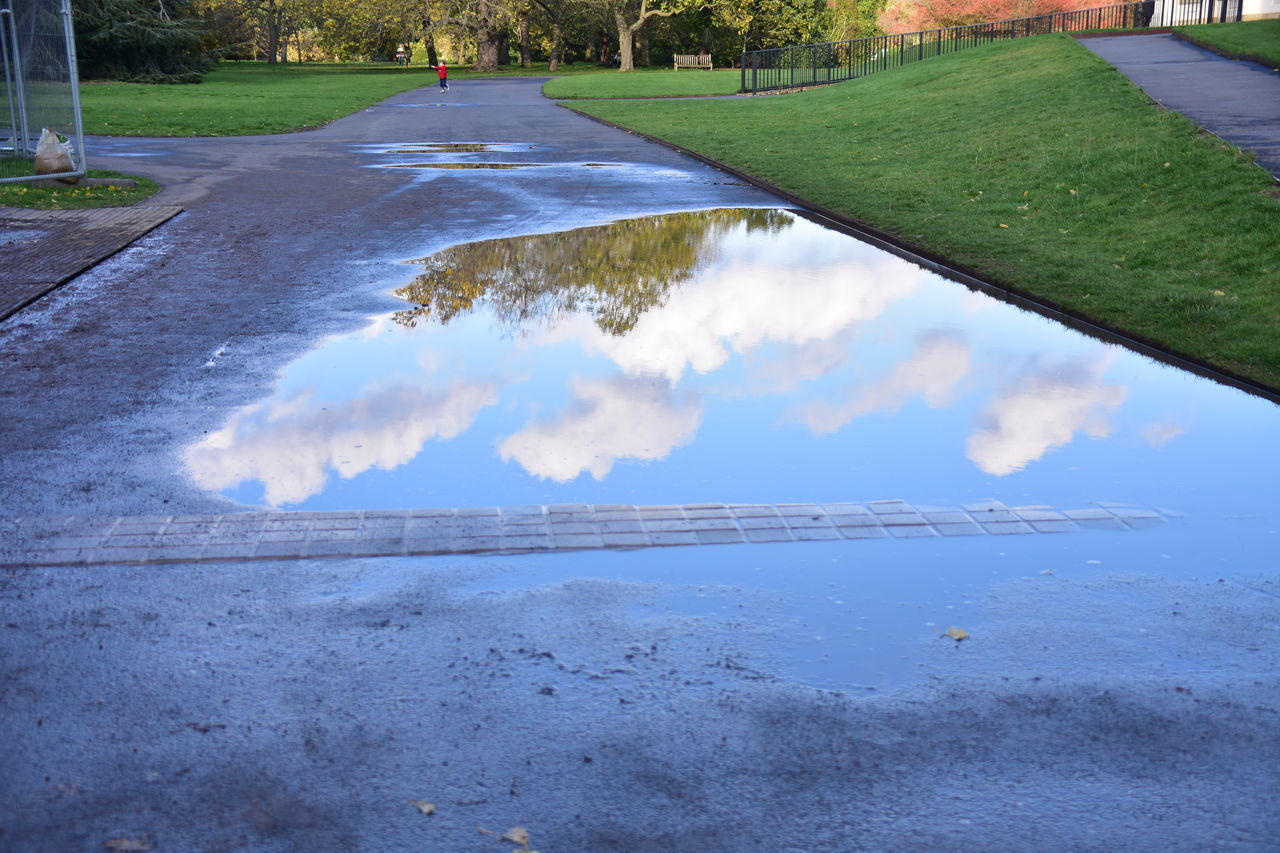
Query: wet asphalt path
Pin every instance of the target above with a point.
(645, 701)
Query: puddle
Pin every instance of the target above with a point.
(14, 236)
(755, 356)
(463, 165)
(728, 356)
(445, 148)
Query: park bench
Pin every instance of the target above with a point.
(693, 60)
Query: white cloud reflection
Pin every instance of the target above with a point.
(941, 359)
(1043, 409)
(1160, 433)
(292, 444)
(736, 307)
(610, 419)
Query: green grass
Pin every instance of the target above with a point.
(243, 99)
(645, 83)
(1255, 40)
(69, 197)
(1037, 165)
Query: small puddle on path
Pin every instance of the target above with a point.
(445, 148)
(464, 165)
(728, 356)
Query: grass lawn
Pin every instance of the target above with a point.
(1037, 165)
(249, 98)
(69, 197)
(1256, 40)
(645, 83)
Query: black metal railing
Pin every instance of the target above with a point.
(832, 62)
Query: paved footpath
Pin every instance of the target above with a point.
(188, 678)
(1238, 101)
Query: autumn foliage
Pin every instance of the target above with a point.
(904, 16)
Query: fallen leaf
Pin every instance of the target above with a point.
(127, 844)
(424, 807)
(955, 633)
(517, 835)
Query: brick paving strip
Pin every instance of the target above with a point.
(41, 250)
(74, 540)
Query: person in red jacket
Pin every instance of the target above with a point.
(443, 71)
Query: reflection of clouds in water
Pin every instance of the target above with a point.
(785, 371)
(1041, 410)
(1162, 432)
(736, 308)
(940, 360)
(611, 419)
(292, 444)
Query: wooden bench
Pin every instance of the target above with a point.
(693, 60)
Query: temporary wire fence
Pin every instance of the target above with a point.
(832, 62)
(40, 87)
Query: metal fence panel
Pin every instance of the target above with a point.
(832, 62)
(40, 86)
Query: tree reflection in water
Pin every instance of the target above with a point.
(614, 272)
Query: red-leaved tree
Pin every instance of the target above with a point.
(904, 16)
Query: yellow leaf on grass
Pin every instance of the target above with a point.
(424, 807)
(955, 633)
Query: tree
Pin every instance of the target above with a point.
(141, 41)
(853, 19)
(536, 279)
(359, 28)
(488, 22)
(628, 16)
(902, 16)
(771, 23)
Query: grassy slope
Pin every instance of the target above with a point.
(645, 83)
(1038, 165)
(1256, 40)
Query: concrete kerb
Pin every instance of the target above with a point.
(968, 277)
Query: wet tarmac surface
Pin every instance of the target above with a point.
(1110, 688)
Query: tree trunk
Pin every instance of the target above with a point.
(504, 47)
(642, 50)
(273, 37)
(557, 35)
(526, 60)
(432, 57)
(604, 48)
(486, 50)
(624, 43)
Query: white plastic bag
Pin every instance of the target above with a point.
(52, 157)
